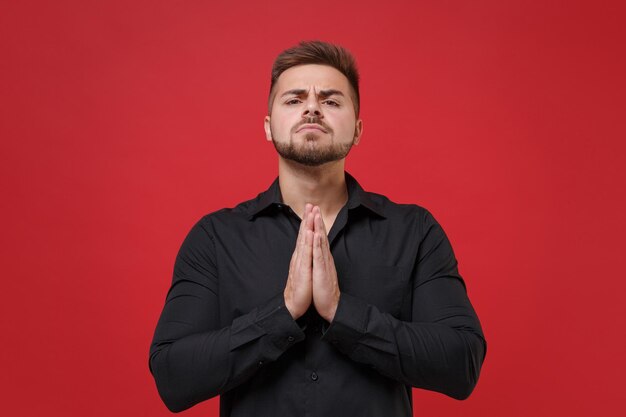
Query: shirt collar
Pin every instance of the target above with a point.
(356, 197)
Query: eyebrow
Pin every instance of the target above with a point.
(322, 93)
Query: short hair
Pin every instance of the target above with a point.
(321, 53)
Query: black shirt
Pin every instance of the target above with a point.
(403, 319)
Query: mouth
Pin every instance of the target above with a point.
(309, 126)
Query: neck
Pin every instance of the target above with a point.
(323, 186)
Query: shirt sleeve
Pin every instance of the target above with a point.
(441, 349)
(192, 357)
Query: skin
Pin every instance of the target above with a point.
(311, 167)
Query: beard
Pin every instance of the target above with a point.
(310, 152)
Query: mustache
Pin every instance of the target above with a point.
(312, 120)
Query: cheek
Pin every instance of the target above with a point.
(346, 127)
(281, 127)
(282, 118)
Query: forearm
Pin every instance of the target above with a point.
(439, 358)
(192, 369)
(443, 355)
(202, 365)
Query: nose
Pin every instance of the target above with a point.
(312, 108)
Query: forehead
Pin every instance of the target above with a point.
(312, 75)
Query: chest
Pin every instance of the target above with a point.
(254, 266)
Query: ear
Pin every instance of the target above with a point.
(268, 131)
(358, 131)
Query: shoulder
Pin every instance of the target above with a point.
(228, 216)
(402, 213)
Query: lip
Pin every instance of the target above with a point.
(311, 127)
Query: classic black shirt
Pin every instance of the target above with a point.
(403, 319)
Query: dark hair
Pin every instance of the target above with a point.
(321, 53)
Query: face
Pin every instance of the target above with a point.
(312, 118)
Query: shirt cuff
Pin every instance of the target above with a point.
(348, 325)
(276, 321)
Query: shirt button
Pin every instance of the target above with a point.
(290, 338)
(314, 376)
(260, 363)
(334, 342)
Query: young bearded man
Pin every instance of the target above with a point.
(316, 297)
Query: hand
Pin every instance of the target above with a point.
(325, 284)
(298, 291)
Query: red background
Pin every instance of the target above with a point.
(123, 122)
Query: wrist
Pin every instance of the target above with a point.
(291, 310)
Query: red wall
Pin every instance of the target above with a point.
(123, 122)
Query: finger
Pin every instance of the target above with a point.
(319, 223)
(307, 209)
(318, 255)
(316, 221)
(306, 258)
(318, 261)
(305, 216)
(300, 241)
(322, 225)
(310, 215)
(315, 213)
(305, 223)
(324, 246)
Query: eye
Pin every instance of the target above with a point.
(331, 103)
(292, 101)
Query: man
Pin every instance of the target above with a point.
(316, 297)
